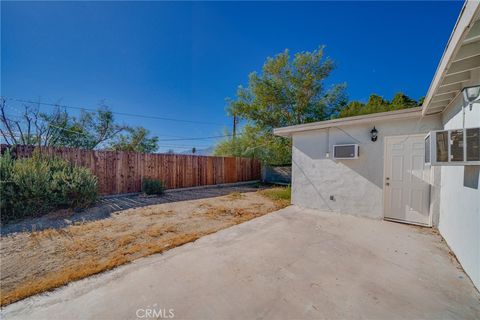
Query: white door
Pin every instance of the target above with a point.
(406, 186)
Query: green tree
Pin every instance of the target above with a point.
(288, 91)
(89, 130)
(353, 108)
(402, 101)
(378, 104)
(420, 101)
(375, 104)
(137, 140)
(254, 143)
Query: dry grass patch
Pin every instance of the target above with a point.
(280, 195)
(39, 261)
(125, 240)
(73, 247)
(152, 211)
(154, 231)
(235, 196)
(157, 231)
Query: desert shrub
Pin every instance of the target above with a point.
(7, 188)
(36, 185)
(75, 187)
(153, 186)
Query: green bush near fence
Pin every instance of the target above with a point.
(278, 193)
(153, 186)
(34, 186)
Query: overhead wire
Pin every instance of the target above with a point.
(198, 138)
(176, 138)
(114, 112)
(17, 135)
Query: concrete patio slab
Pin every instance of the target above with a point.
(293, 263)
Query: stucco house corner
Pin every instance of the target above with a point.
(418, 166)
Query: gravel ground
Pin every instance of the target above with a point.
(107, 205)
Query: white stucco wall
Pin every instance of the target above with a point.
(356, 185)
(459, 221)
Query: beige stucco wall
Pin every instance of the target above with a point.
(356, 185)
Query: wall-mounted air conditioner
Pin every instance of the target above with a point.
(453, 147)
(345, 151)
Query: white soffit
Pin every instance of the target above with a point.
(460, 61)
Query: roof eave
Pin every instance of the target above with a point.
(369, 118)
(465, 21)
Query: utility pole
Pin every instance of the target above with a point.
(234, 132)
(234, 125)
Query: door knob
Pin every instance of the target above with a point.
(387, 184)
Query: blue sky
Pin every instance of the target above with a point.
(181, 60)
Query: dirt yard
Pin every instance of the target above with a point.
(33, 262)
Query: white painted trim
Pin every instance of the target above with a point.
(464, 22)
(433, 154)
(380, 116)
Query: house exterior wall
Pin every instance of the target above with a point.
(459, 220)
(355, 185)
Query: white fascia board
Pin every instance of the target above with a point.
(464, 22)
(380, 116)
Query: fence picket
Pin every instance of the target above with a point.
(122, 172)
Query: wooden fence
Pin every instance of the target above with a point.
(122, 172)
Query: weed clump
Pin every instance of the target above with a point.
(153, 186)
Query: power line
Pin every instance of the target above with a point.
(177, 138)
(51, 125)
(160, 140)
(18, 135)
(180, 147)
(114, 112)
(197, 138)
(20, 117)
(167, 135)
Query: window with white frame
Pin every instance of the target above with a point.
(453, 147)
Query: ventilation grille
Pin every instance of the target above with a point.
(345, 151)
